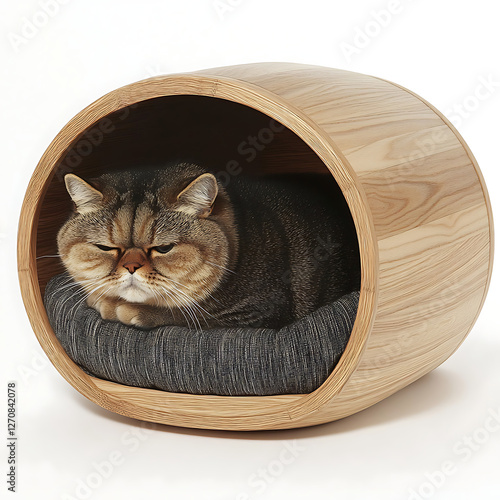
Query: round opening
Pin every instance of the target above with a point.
(230, 138)
(226, 138)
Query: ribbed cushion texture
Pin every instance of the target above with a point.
(295, 359)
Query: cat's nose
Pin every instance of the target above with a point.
(132, 267)
(133, 259)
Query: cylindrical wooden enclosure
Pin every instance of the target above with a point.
(415, 191)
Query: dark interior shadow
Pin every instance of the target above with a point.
(426, 394)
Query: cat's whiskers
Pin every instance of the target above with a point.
(189, 289)
(67, 300)
(155, 295)
(68, 286)
(192, 314)
(101, 295)
(88, 286)
(198, 307)
(194, 303)
(192, 307)
(49, 256)
(68, 279)
(86, 295)
(179, 306)
(220, 267)
(160, 299)
(85, 282)
(78, 302)
(186, 306)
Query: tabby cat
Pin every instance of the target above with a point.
(173, 246)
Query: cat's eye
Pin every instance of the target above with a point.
(105, 248)
(163, 248)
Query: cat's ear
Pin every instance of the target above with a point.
(198, 197)
(85, 197)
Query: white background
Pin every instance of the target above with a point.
(444, 51)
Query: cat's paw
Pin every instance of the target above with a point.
(105, 307)
(129, 314)
(134, 315)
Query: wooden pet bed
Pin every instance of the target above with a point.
(416, 194)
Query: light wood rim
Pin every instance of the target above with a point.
(209, 411)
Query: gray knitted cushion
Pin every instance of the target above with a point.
(295, 359)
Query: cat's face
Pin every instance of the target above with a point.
(155, 243)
